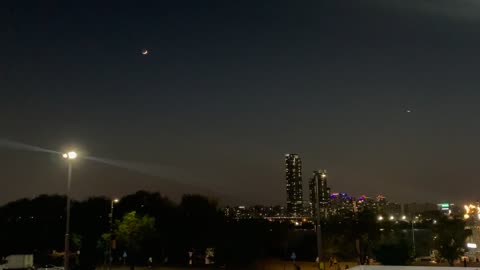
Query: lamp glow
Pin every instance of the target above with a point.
(70, 155)
(471, 245)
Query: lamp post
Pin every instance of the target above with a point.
(110, 246)
(70, 156)
(413, 237)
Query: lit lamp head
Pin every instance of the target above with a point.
(116, 200)
(70, 155)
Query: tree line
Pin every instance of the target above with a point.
(146, 225)
(149, 225)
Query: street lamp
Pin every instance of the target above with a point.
(69, 156)
(413, 237)
(110, 246)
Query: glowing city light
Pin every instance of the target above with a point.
(471, 210)
(471, 245)
(70, 155)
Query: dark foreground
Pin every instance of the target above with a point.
(265, 265)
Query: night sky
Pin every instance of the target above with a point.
(383, 94)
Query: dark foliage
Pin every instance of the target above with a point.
(37, 226)
(393, 250)
(450, 237)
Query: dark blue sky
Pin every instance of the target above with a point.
(229, 87)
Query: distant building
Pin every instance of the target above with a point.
(293, 176)
(393, 209)
(237, 212)
(307, 209)
(319, 176)
(341, 204)
(364, 203)
(450, 209)
(381, 203)
(228, 212)
(255, 212)
(412, 209)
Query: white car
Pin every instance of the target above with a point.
(50, 267)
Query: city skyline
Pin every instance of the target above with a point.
(150, 171)
(211, 95)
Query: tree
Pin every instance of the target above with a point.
(166, 217)
(366, 232)
(393, 250)
(192, 210)
(133, 231)
(76, 241)
(90, 220)
(450, 236)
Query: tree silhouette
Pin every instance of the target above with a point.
(450, 237)
(393, 249)
(132, 232)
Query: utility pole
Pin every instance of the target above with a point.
(357, 240)
(413, 238)
(110, 245)
(66, 257)
(70, 156)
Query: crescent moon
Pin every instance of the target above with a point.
(145, 52)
